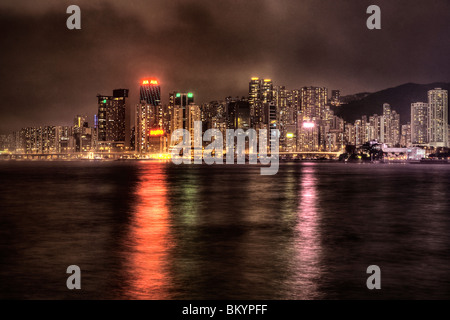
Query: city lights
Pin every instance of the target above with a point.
(155, 82)
(156, 132)
(317, 130)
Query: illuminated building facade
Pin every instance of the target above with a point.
(335, 99)
(405, 139)
(180, 101)
(313, 102)
(438, 117)
(150, 92)
(82, 135)
(111, 120)
(391, 134)
(259, 96)
(419, 123)
(310, 131)
(149, 132)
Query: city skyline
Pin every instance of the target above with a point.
(305, 119)
(221, 47)
(216, 156)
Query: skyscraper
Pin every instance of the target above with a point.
(310, 127)
(238, 114)
(438, 118)
(254, 90)
(266, 91)
(259, 96)
(419, 123)
(335, 98)
(111, 120)
(149, 131)
(313, 101)
(150, 92)
(405, 139)
(391, 119)
(180, 101)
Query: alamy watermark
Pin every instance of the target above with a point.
(189, 147)
(74, 280)
(74, 20)
(374, 281)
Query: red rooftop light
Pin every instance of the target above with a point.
(150, 82)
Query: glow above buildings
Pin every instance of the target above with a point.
(155, 82)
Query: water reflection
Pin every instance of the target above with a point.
(308, 242)
(149, 239)
(159, 231)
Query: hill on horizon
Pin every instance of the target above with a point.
(400, 99)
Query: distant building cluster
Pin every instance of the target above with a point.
(384, 128)
(304, 118)
(429, 121)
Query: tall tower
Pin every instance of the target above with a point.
(267, 91)
(150, 92)
(419, 123)
(180, 113)
(335, 98)
(260, 94)
(254, 90)
(438, 118)
(313, 102)
(149, 118)
(111, 119)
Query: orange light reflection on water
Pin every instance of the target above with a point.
(149, 238)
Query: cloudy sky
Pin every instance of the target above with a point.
(49, 73)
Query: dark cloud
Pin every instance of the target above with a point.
(49, 73)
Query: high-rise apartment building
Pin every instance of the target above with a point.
(261, 94)
(335, 99)
(438, 117)
(313, 102)
(111, 120)
(419, 123)
(179, 103)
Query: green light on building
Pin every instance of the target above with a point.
(104, 101)
(190, 95)
(178, 95)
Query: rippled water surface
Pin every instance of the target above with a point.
(153, 230)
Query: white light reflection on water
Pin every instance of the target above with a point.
(308, 242)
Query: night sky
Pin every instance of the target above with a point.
(49, 73)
